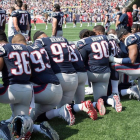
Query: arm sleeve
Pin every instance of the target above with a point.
(14, 14)
(121, 18)
(83, 53)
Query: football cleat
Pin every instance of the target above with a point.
(115, 94)
(48, 131)
(66, 113)
(101, 107)
(87, 107)
(135, 92)
(117, 104)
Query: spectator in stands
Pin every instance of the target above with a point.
(135, 13)
(118, 15)
(130, 19)
(10, 25)
(123, 21)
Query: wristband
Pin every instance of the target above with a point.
(126, 61)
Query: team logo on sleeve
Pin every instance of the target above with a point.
(2, 49)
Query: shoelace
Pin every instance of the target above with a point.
(90, 112)
(117, 100)
(72, 121)
(71, 116)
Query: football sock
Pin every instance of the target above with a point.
(42, 118)
(36, 128)
(114, 84)
(77, 107)
(94, 104)
(95, 24)
(52, 113)
(46, 27)
(125, 92)
(110, 102)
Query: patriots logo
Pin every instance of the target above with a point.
(1, 48)
(132, 39)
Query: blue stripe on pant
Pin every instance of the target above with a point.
(128, 69)
(38, 89)
(3, 90)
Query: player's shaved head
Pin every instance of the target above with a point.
(112, 31)
(19, 39)
(99, 30)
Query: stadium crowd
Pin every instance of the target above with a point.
(84, 6)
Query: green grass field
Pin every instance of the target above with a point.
(112, 126)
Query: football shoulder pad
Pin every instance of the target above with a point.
(15, 13)
(130, 40)
(2, 49)
(55, 14)
(113, 37)
(81, 43)
(39, 41)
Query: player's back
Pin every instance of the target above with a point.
(109, 17)
(114, 45)
(22, 19)
(42, 72)
(59, 16)
(59, 54)
(29, 17)
(119, 13)
(17, 68)
(2, 18)
(76, 59)
(97, 53)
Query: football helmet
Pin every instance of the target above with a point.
(21, 127)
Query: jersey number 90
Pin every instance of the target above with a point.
(100, 50)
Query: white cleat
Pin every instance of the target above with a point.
(66, 113)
